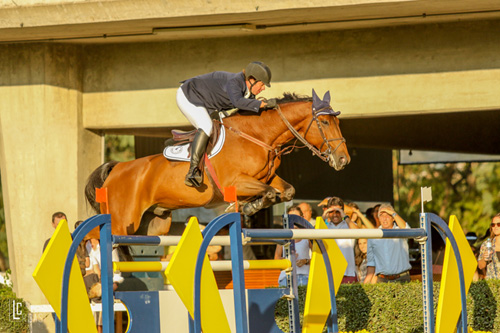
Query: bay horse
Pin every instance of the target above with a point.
(248, 162)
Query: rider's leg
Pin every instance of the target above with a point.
(194, 176)
(199, 117)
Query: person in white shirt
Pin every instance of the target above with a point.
(307, 211)
(302, 253)
(338, 219)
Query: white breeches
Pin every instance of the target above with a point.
(197, 115)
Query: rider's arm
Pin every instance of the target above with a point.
(234, 91)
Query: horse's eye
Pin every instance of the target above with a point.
(325, 122)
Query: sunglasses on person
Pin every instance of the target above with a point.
(495, 225)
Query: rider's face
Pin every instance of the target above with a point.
(257, 88)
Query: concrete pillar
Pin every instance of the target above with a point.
(45, 153)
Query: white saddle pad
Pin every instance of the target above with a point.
(181, 152)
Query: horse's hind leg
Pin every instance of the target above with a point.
(160, 225)
(155, 222)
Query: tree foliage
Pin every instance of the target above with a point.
(119, 148)
(468, 190)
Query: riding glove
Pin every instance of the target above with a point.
(271, 103)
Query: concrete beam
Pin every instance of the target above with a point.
(133, 21)
(374, 72)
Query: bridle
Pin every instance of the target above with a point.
(324, 156)
(278, 151)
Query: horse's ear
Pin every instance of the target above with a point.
(326, 98)
(316, 99)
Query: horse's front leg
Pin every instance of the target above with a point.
(248, 187)
(287, 191)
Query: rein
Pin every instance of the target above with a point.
(249, 138)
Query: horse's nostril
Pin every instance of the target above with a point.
(342, 160)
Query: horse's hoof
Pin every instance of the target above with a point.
(248, 210)
(252, 207)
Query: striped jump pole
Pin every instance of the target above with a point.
(174, 240)
(332, 233)
(219, 265)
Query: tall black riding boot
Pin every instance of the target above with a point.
(194, 177)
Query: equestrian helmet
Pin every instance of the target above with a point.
(259, 71)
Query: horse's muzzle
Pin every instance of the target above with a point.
(338, 162)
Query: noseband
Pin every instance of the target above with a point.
(324, 156)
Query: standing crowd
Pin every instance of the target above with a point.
(368, 261)
(384, 260)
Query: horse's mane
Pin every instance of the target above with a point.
(289, 97)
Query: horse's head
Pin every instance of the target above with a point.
(324, 132)
(316, 125)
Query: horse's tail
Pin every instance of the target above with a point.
(96, 180)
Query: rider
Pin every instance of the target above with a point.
(200, 97)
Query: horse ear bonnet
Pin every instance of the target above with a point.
(323, 105)
(326, 97)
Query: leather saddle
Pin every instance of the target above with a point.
(186, 137)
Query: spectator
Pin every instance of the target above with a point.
(357, 217)
(324, 205)
(369, 216)
(489, 254)
(94, 251)
(95, 292)
(82, 254)
(376, 215)
(56, 218)
(307, 211)
(302, 255)
(360, 258)
(388, 259)
(339, 220)
(295, 210)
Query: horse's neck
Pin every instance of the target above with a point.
(269, 127)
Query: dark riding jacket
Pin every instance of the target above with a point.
(218, 91)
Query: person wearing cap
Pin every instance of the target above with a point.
(388, 259)
(338, 219)
(202, 97)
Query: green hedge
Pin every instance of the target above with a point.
(8, 319)
(398, 307)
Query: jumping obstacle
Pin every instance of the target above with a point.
(265, 299)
